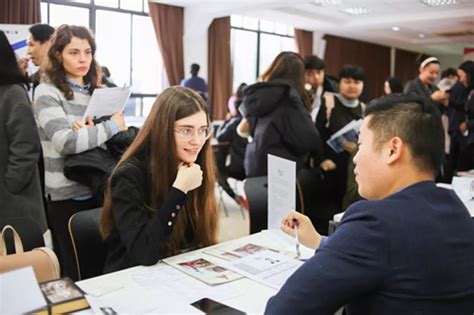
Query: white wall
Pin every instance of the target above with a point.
(196, 25)
(447, 61)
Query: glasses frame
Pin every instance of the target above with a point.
(180, 131)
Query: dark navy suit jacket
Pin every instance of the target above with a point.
(410, 253)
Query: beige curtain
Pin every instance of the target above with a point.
(168, 22)
(20, 11)
(304, 42)
(220, 72)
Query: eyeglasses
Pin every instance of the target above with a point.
(187, 133)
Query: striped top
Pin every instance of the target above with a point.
(55, 117)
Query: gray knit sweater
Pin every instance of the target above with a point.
(55, 117)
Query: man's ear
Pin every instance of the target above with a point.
(394, 150)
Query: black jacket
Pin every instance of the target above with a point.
(20, 190)
(93, 167)
(457, 107)
(140, 233)
(228, 133)
(417, 87)
(279, 124)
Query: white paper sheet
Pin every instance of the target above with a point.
(20, 292)
(281, 189)
(462, 187)
(107, 101)
(267, 267)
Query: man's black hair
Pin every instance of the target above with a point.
(353, 72)
(41, 32)
(195, 69)
(414, 119)
(313, 63)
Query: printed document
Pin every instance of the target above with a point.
(267, 267)
(107, 101)
(281, 189)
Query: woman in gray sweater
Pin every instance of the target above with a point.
(60, 103)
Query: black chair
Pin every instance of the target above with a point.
(221, 150)
(256, 191)
(90, 250)
(29, 231)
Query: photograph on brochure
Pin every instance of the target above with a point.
(202, 269)
(234, 251)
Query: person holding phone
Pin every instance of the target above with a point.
(160, 198)
(408, 248)
(60, 103)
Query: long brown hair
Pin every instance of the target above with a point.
(54, 69)
(157, 137)
(289, 66)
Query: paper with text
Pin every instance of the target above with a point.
(107, 101)
(267, 267)
(281, 189)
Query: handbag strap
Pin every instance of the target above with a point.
(16, 238)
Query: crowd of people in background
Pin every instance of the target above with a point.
(160, 200)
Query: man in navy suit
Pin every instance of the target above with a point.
(408, 249)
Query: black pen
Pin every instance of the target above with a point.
(295, 226)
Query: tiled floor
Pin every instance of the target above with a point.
(234, 223)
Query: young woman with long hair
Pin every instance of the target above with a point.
(60, 103)
(160, 199)
(278, 116)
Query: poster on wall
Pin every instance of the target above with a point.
(468, 53)
(17, 35)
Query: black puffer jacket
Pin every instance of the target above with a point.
(280, 125)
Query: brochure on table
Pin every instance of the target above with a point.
(202, 268)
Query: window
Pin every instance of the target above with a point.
(63, 14)
(254, 45)
(114, 51)
(126, 43)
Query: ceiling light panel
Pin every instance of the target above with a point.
(327, 2)
(357, 11)
(436, 3)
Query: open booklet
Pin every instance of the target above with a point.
(195, 265)
(349, 132)
(107, 101)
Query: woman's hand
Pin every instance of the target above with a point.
(307, 234)
(80, 124)
(463, 127)
(349, 146)
(119, 119)
(439, 96)
(189, 177)
(327, 165)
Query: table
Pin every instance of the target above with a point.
(243, 294)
